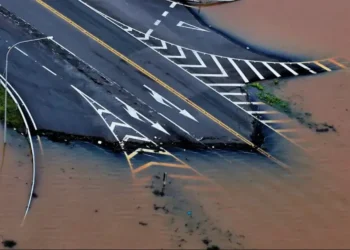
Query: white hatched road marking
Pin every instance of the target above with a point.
(271, 69)
(147, 35)
(49, 70)
(223, 72)
(230, 93)
(263, 112)
(245, 79)
(181, 56)
(306, 67)
(323, 66)
(201, 63)
(249, 103)
(254, 69)
(121, 26)
(289, 69)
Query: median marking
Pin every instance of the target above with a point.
(160, 82)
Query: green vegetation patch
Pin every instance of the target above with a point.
(14, 118)
(257, 85)
(274, 101)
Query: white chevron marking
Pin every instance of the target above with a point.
(182, 54)
(164, 46)
(147, 35)
(223, 72)
(201, 65)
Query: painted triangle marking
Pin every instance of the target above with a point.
(190, 26)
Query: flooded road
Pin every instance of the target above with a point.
(88, 199)
(314, 211)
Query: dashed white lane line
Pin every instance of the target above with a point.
(49, 70)
(173, 4)
(156, 23)
(24, 53)
(165, 13)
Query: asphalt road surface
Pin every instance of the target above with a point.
(159, 73)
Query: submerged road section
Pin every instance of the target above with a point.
(150, 73)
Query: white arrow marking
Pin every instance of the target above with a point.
(190, 26)
(165, 102)
(137, 115)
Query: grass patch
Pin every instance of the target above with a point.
(14, 118)
(274, 101)
(257, 85)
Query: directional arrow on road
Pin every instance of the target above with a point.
(166, 102)
(190, 26)
(137, 115)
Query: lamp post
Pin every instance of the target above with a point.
(5, 74)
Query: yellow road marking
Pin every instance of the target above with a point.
(163, 164)
(160, 82)
(322, 66)
(337, 63)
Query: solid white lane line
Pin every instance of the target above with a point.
(165, 13)
(276, 121)
(289, 69)
(287, 130)
(306, 67)
(271, 69)
(262, 112)
(254, 69)
(49, 70)
(175, 124)
(245, 79)
(225, 94)
(249, 103)
(156, 23)
(173, 4)
(24, 53)
(226, 84)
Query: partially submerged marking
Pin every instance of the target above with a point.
(14, 118)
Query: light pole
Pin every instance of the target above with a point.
(5, 73)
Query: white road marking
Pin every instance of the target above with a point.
(166, 102)
(262, 112)
(245, 79)
(165, 13)
(306, 67)
(229, 93)
(156, 23)
(137, 115)
(147, 35)
(223, 72)
(201, 65)
(189, 26)
(24, 53)
(249, 103)
(287, 130)
(174, 124)
(289, 69)
(271, 69)
(254, 69)
(276, 121)
(49, 70)
(226, 84)
(173, 4)
(162, 47)
(181, 56)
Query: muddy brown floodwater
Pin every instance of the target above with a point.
(318, 215)
(88, 199)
